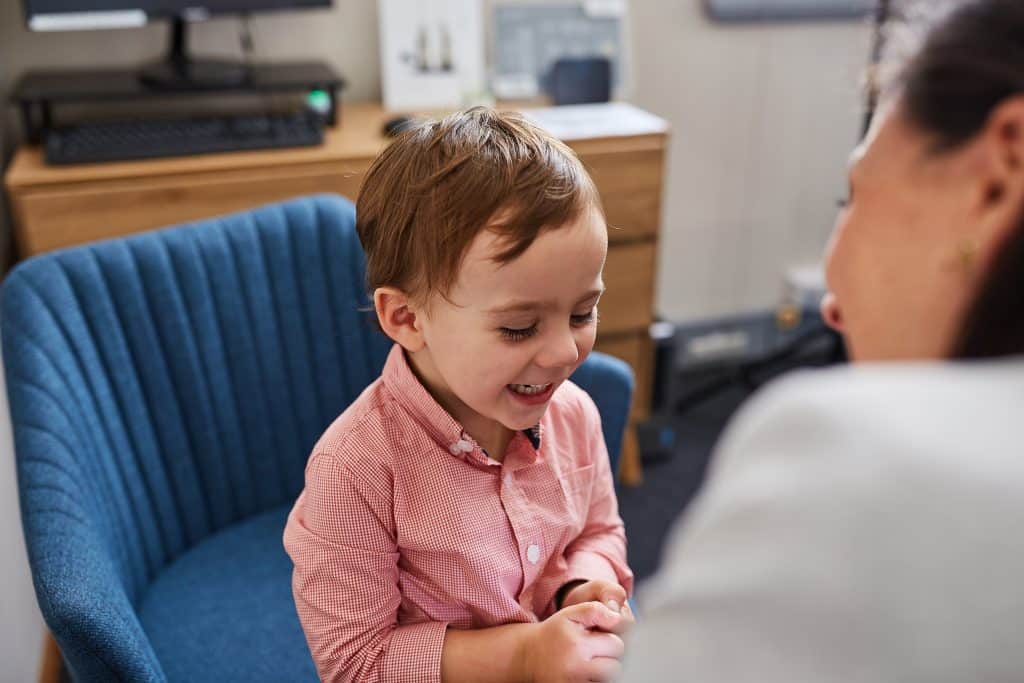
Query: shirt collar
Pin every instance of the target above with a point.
(410, 393)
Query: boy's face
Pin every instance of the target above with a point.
(512, 333)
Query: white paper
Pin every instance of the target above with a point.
(585, 121)
(515, 86)
(605, 8)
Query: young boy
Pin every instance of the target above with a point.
(459, 521)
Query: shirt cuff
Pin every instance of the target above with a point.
(414, 653)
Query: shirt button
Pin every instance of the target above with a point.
(533, 553)
(461, 446)
(508, 479)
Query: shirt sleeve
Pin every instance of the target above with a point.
(599, 552)
(345, 582)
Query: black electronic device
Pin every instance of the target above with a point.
(178, 70)
(41, 94)
(146, 139)
(393, 127)
(580, 80)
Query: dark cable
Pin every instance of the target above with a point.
(245, 38)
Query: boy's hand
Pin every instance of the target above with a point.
(612, 595)
(574, 644)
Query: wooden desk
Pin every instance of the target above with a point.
(56, 207)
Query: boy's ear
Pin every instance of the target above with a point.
(398, 317)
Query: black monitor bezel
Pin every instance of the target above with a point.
(172, 9)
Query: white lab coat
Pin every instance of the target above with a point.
(863, 524)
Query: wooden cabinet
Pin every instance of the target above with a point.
(56, 207)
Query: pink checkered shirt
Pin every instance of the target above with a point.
(407, 528)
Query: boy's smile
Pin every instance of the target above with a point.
(497, 349)
(532, 394)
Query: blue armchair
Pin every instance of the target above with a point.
(165, 391)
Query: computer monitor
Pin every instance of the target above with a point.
(178, 69)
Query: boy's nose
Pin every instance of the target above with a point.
(560, 352)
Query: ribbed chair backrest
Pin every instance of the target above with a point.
(166, 385)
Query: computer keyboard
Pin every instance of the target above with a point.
(148, 139)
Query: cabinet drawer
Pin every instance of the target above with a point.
(51, 220)
(630, 187)
(627, 303)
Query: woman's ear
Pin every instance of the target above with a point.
(1002, 196)
(399, 317)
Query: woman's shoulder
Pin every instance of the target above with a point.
(929, 412)
(886, 390)
(848, 501)
(885, 387)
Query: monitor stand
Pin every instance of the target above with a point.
(179, 71)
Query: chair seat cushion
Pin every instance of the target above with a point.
(224, 611)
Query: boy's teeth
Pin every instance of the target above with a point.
(529, 389)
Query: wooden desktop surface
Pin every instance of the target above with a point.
(56, 206)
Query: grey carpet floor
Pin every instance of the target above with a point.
(670, 483)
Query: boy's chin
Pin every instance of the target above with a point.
(519, 425)
(523, 419)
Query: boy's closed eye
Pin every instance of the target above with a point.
(523, 333)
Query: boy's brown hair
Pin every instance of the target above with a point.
(428, 195)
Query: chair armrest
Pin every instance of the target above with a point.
(609, 382)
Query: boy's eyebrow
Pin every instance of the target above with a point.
(520, 306)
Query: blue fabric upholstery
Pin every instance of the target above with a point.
(224, 610)
(165, 391)
(609, 381)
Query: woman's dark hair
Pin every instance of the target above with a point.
(971, 60)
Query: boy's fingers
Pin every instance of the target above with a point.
(573, 593)
(594, 615)
(614, 596)
(623, 626)
(600, 644)
(604, 670)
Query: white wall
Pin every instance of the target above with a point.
(21, 625)
(763, 118)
